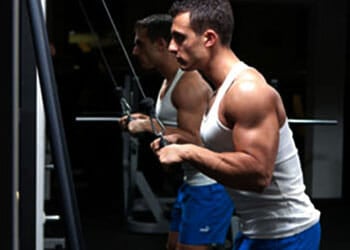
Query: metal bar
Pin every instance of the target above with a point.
(313, 121)
(9, 133)
(97, 119)
(29, 145)
(293, 121)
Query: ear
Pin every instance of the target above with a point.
(210, 37)
(162, 44)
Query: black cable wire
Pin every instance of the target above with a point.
(126, 109)
(147, 102)
(99, 46)
(124, 50)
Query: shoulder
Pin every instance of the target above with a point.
(191, 88)
(193, 81)
(251, 97)
(251, 83)
(192, 76)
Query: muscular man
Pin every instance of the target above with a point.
(203, 209)
(248, 145)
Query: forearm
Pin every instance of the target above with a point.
(233, 169)
(180, 136)
(139, 125)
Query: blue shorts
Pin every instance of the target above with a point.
(202, 214)
(306, 240)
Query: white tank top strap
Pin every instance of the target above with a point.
(165, 109)
(234, 72)
(177, 77)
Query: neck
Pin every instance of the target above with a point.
(168, 69)
(220, 65)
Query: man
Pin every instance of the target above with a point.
(182, 100)
(248, 145)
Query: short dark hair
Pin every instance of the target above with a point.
(204, 14)
(157, 25)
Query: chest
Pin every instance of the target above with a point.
(218, 110)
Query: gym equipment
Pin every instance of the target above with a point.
(10, 117)
(132, 177)
(313, 121)
(55, 125)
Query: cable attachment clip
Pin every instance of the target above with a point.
(148, 105)
(126, 109)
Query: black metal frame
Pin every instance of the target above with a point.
(60, 155)
(9, 133)
(28, 134)
(18, 139)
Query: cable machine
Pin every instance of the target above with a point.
(9, 132)
(132, 178)
(40, 114)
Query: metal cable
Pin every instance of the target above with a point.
(99, 46)
(123, 48)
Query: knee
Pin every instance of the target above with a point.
(172, 241)
(171, 245)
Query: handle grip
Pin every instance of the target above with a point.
(163, 142)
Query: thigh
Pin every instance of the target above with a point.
(306, 240)
(206, 215)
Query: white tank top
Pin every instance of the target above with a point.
(283, 209)
(167, 113)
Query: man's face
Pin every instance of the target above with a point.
(144, 49)
(185, 44)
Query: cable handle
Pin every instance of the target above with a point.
(163, 142)
(126, 109)
(148, 105)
